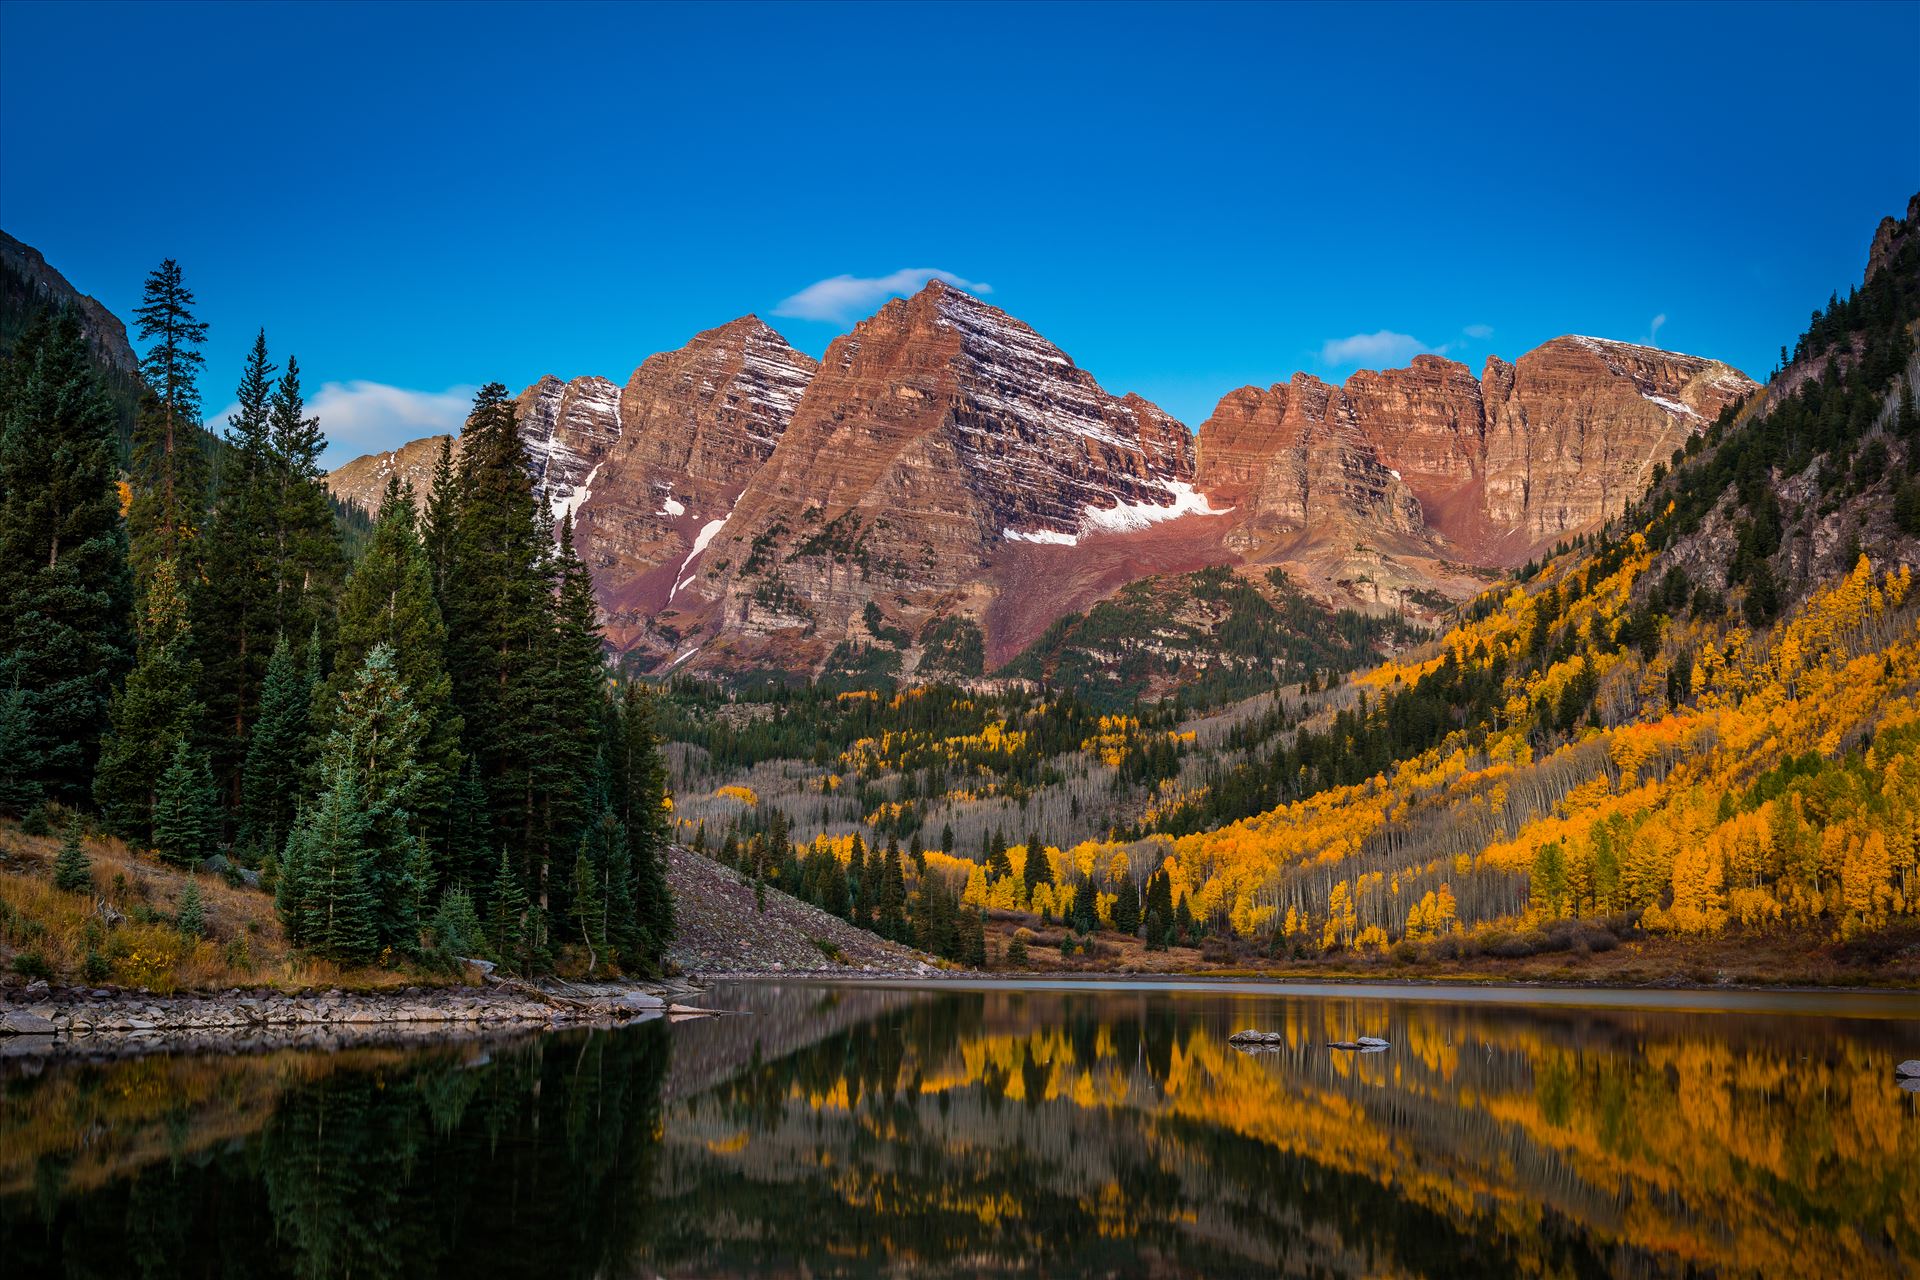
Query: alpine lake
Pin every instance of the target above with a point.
(957, 1129)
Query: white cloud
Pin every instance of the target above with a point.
(1384, 349)
(366, 417)
(839, 299)
(1653, 330)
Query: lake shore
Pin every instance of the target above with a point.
(40, 1019)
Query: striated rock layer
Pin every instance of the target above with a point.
(1403, 471)
(937, 435)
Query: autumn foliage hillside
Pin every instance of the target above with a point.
(1699, 722)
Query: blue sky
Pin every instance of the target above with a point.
(1186, 199)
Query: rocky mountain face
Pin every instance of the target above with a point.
(364, 480)
(1374, 488)
(32, 275)
(947, 467)
(937, 436)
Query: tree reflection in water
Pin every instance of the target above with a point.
(862, 1131)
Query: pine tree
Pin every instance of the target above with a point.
(190, 913)
(376, 741)
(865, 885)
(442, 514)
(1086, 906)
(469, 832)
(498, 615)
(574, 699)
(456, 925)
(232, 599)
(153, 713)
(999, 866)
(186, 821)
(893, 895)
(20, 788)
(168, 481)
(307, 562)
(72, 870)
(589, 905)
(388, 599)
(276, 755)
(1126, 907)
(1159, 911)
(509, 923)
(974, 951)
(326, 904)
(1039, 869)
(642, 775)
(65, 639)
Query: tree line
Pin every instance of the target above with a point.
(422, 751)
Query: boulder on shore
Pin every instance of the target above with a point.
(25, 1022)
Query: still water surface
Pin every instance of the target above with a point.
(841, 1130)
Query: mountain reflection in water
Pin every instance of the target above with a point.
(868, 1130)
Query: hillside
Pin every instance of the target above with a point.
(1698, 721)
(723, 928)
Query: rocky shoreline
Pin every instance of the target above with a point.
(52, 1021)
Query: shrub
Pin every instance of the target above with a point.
(1017, 952)
(95, 968)
(1405, 952)
(31, 965)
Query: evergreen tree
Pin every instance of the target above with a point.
(153, 713)
(72, 870)
(999, 865)
(186, 821)
(456, 925)
(498, 614)
(307, 562)
(168, 481)
(574, 699)
(20, 788)
(1039, 868)
(589, 905)
(865, 884)
(974, 953)
(376, 741)
(893, 895)
(233, 599)
(1159, 911)
(469, 832)
(190, 913)
(276, 755)
(1086, 905)
(442, 514)
(642, 782)
(388, 599)
(510, 926)
(65, 639)
(1126, 907)
(325, 901)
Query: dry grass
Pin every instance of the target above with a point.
(244, 945)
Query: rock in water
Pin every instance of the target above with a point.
(1908, 1070)
(25, 1022)
(1371, 1042)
